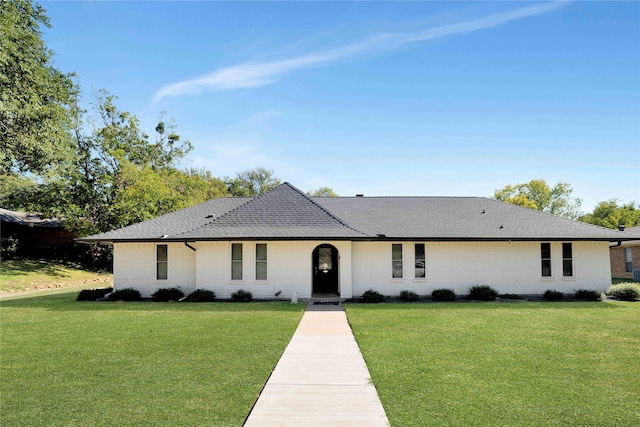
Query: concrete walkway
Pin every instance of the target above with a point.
(321, 379)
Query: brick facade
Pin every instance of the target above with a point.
(619, 261)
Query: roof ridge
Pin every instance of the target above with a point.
(331, 214)
(216, 218)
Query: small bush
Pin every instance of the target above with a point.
(126, 294)
(93, 294)
(167, 294)
(624, 291)
(553, 295)
(510, 296)
(242, 296)
(443, 295)
(408, 296)
(482, 293)
(587, 295)
(201, 295)
(371, 296)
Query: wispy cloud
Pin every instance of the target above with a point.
(254, 74)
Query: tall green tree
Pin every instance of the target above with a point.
(537, 194)
(612, 214)
(322, 192)
(252, 182)
(118, 175)
(36, 99)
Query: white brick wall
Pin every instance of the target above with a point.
(508, 267)
(134, 266)
(289, 268)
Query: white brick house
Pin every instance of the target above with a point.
(284, 241)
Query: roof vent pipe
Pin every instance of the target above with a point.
(621, 227)
(359, 195)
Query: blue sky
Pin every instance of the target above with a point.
(381, 98)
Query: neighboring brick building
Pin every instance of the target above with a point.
(36, 237)
(626, 257)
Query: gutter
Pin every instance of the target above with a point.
(189, 246)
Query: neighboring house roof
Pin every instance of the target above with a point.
(286, 213)
(632, 230)
(29, 220)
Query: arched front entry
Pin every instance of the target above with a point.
(325, 270)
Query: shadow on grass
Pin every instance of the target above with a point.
(25, 267)
(492, 305)
(66, 301)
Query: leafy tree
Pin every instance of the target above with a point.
(118, 175)
(611, 214)
(36, 99)
(252, 182)
(537, 194)
(322, 192)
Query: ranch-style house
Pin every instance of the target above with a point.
(285, 241)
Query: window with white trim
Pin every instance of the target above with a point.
(236, 261)
(261, 261)
(162, 262)
(545, 258)
(629, 260)
(567, 260)
(420, 261)
(396, 261)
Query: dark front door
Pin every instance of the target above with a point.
(325, 270)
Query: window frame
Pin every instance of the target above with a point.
(548, 260)
(628, 260)
(237, 261)
(164, 262)
(262, 262)
(567, 260)
(395, 261)
(422, 259)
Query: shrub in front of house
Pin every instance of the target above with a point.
(242, 296)
(482, 293)
(510, 296)
(201, 295)
(553, 295)
(624, 291)
(408, 296)
(371, 296)
(443, 295)
(93, 294)
(167, 294)
(587, 295)
(126, 294)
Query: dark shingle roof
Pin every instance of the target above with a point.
(286, 213)
(173, 223)
(281, 212)
(457, 218)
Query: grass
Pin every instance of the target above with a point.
(24, 275)
(136, 364)
(503, 364)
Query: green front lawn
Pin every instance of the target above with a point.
(502, 364)
(107, 364)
